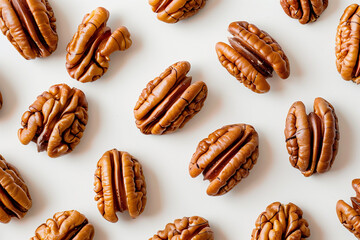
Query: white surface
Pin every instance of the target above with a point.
(67, 182)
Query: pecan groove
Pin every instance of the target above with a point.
(305, 10)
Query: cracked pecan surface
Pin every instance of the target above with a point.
(65, 225)
(225, 157)
(312, 140)
(119, 185)
(15, 198)
(305, 10)
(88, 53)
(252, 56)
(169, 101)
(30, 26)
(56, 120)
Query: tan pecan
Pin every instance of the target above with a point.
(253, 56)
(15, 198)
(119, 185)
(88, 53)
(225, 157)
(172, 11)
(281, 222)
(30, 26)
(169, 101)
(65, 225)
(305, 10)
(187, 228)
(312, 140)
(56, 120)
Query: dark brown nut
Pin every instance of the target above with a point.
(350, 216)
(119, 185)
(305, 10)
(65, 225)
(30, 26)
(56, 120)
(281, 222)
(15, 198)
(169, 101)
(225, 157)
(88, 53)
(252, 56)
(172, 11)
(187, 228)
(312, 140)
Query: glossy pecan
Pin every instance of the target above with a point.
(252, 56)
(30, 26)
(169, 101)
(305, 10)
(281, 222)
(15, 198)
(187, 228)
(312, 140)
(225, 157)
(65, 225)
(88, 53)
(56, 120)
(119, 185)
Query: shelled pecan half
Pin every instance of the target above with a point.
(305, 10)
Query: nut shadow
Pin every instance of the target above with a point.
(218, 233)
(9, 99)
(100, 234)
(332, 9)
(315, 230)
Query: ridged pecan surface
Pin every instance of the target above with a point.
(119, 185)
(56, 120)
(312, 140)
(225, 157)
(305, 10)
(169, 101)
(88, 53)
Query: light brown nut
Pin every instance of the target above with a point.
(187, 228)
(225, 157)
(15, 198)
(56, 120)
(281, 222)
(65, 225)
(252, 56)
(312, 140)
(88, 53)
(169, 101)
(172, 11)
(30, 26)
(305, 10)
(119, 185)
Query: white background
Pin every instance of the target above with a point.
(66, 182)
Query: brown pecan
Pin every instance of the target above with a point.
(56, 120)
(305, 10)
(30, 26)
(169, 101)
(187, 228)
(119, 185)
(225, 157)
(65, 225)
(172, 11)
(15, 198)
(281, 222)
(253, 56)
(88, 53)
(312, 140)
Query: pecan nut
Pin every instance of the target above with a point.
(305, 10)
(169, 101)
(312, 140)
(119, 185)
(281, 221)
(30, 26)
(187, 228)
(88, 53)
(225, 157)
(65, 225)
(172, 11)
(15, 198)
(56, 120)
(252, 56)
